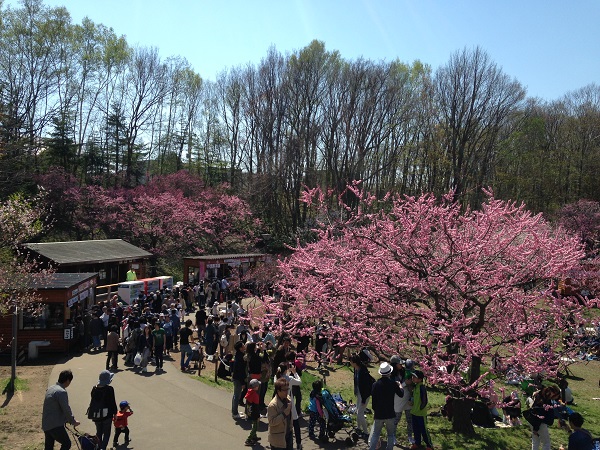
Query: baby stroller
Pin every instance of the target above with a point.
(198, 357)
(336, 420)
(85, 441)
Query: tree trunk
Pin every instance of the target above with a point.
(475, 371)
(461, 417)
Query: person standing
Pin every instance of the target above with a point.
(131, 275)
(56, 412)
(210, 337)
(105, 317)
(112, 348)
(383, 392)
(316, 411)
(103, 407)
(287, 371)
(238, 376)
(96, 331)
(279, 416)
(158, 342)
(419, 411)
(402, 405)
(543, 415)
(363, 383)
(185, 345)
(167, 325)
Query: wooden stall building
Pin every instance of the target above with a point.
(62, 298)
(109, 258)
(208, 267)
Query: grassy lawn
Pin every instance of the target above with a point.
(584, 384)
(20, 384)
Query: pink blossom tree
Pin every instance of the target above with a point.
(171, 216)
(21, 218)
(423, 278)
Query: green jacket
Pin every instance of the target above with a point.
(420, 401)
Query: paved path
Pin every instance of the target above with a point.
(172, 410)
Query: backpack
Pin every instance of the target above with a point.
(97, 410)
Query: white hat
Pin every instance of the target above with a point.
(385, 369)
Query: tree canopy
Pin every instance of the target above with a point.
(424, 278)
(79, 96)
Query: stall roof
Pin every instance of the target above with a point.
(228, 256)
(96, 251)
(60, 280)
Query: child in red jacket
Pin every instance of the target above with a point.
(252, 402)
(120, 421)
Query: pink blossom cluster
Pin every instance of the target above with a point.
(425, 278)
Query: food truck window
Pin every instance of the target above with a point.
(42, 316)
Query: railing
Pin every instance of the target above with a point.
(104, 292)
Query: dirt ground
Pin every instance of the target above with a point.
(21, 414)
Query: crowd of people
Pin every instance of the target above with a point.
(156, 325)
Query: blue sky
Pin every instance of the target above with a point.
(552, 47)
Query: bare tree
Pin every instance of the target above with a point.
(146, 84)
(474, 98)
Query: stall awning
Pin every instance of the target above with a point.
(59, 280)
(88, 252)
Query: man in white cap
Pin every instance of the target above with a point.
(383, 393)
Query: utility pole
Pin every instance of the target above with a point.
(13, 369)
(10, 387)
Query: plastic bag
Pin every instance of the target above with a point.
(138, 359)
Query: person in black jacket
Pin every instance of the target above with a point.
(105, 394)
(383, 393)
(363, 382)
(238, 376)
(96, 331)
(541, 416)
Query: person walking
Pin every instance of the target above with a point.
(56, 412)
(144, 347)
(383, 392)
(121, 422)
(252, 402)
(103, 407)
(279, 416)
